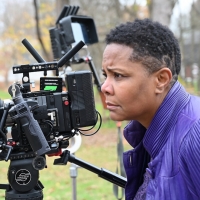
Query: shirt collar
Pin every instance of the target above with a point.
(164, 119)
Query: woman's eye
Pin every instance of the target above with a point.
(116, 75)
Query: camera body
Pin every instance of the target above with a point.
(58, 114)
(67, 110)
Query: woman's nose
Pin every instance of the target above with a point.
(103, 87)
(106, 87)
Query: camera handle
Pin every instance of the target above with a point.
(101, 172)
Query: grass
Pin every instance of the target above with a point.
(99, 150)
(4, 95)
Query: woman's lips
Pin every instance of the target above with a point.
(111, 106)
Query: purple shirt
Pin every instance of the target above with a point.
(173, 142)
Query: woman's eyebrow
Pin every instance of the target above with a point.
(111, 69)
(114, 69)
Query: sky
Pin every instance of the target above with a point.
(183, 7)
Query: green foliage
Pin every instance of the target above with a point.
(4, 95)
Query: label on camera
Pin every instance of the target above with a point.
(53, 84)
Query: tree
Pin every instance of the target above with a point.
(38, 31)
(161, 10)
(195, 44)
(45, 17)
(14, 28)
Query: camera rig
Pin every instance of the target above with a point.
(42, 123)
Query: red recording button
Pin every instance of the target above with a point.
(66, 103)
(11, 143)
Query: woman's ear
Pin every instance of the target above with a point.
(163, 79)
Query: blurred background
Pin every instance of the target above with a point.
(32, 19)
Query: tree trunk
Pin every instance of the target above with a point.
(161, 11)
(37, 21)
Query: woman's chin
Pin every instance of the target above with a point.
(115, 117)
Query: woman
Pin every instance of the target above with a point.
(141, 63)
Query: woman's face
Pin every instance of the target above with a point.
(128, 88)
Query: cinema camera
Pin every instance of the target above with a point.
(42, 122)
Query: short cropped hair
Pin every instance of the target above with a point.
(154, 45)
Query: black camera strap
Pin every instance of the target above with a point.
(120, 167)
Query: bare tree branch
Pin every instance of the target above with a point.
(38, 30)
